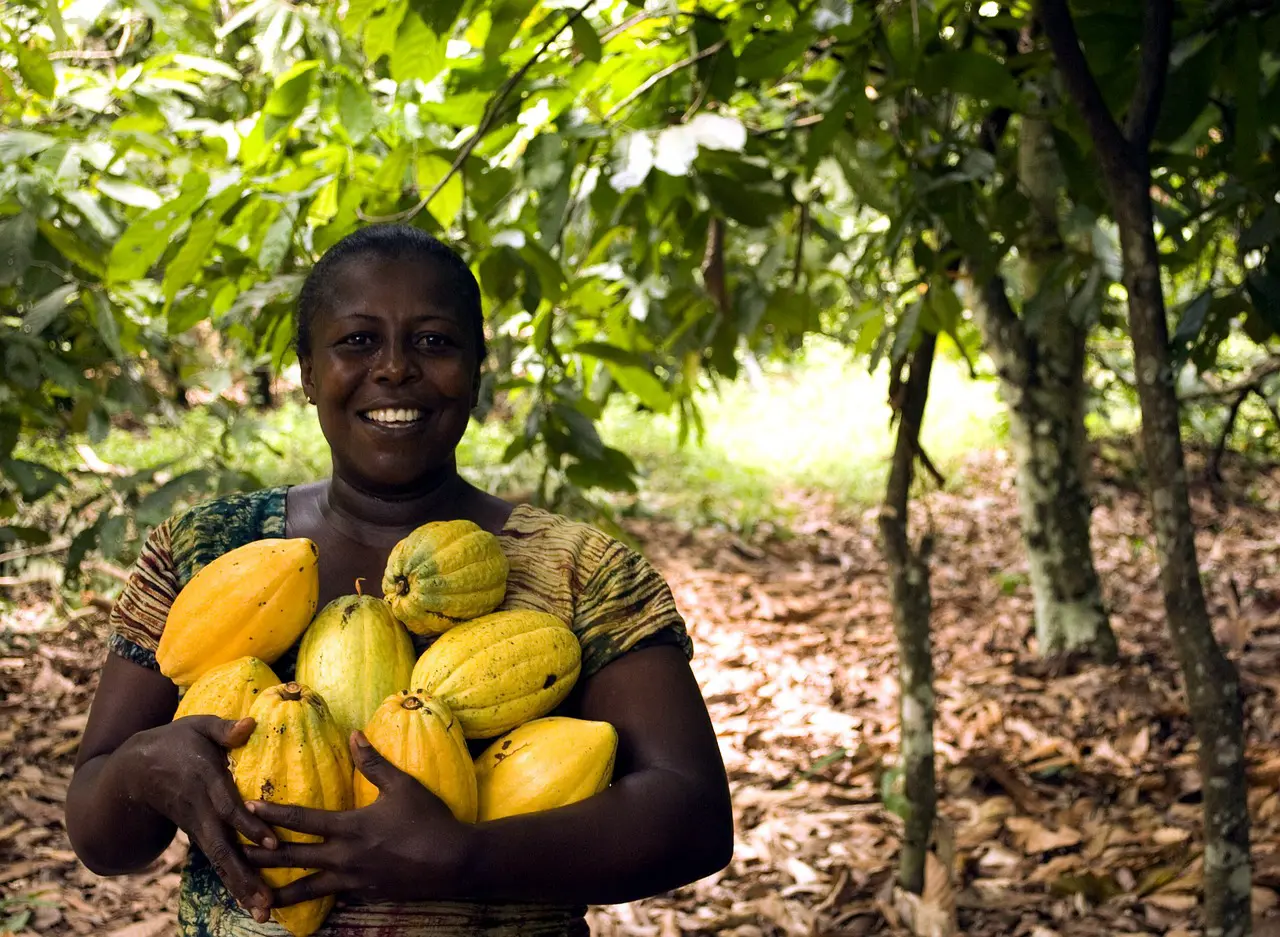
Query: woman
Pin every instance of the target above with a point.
(390, 342)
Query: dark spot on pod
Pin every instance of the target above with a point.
(267, 789)
(550, 681)
(506, 745)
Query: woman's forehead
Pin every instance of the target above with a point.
(375, 285)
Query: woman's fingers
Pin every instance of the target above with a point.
(242, 880)
(316, 885)
(298, 819)
(226, 801)
(228, 733)
(294, 856)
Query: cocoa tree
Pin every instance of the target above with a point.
(1122, 150)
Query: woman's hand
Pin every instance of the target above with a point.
(405, 846)
(179, 770)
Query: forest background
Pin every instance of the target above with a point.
(735, 256)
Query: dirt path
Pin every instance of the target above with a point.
(1071, 799)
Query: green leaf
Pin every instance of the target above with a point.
(129, 193)
(292, 91)
(207, 66)
(73, 249)
(53, 13)
(587, 40)
(583, 437)
(325, 205)
(17, 238)
(355, 108)
(613, 471)
(439, 15)
(644, 385)
(19, 144)
(36, 69)
(769, 55)
(47, 308)
(183, 268)
(1264, 290)
(418, 52)
(33, 479)
(1248, 75)
(1190, 322)
(752, 206)
(972, 74)
(278, 238)
(612, 353)
(380, 32)
(145, 241)
(430, 169)
(104, 320)
(357, 14)
(905, 332)
(506, 17)
(10, 430)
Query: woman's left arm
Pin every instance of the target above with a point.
(665, 821)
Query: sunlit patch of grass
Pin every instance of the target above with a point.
(820, 425)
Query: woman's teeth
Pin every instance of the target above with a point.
(393, 416)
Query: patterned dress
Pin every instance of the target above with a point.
(609, 594)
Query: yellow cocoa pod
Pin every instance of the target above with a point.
(254, 600)
(443, 573)
(419, 735)
(228, 691)
(296, 755)
(355, 654)
(544, 764)
(501, 670)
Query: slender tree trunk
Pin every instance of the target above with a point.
(912, 603)
(1040, 360)
(1213, 688)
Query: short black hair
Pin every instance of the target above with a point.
(389, 242)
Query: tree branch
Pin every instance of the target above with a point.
(1144, 108)
(669, 70)
(1114, 152)
(485, 125)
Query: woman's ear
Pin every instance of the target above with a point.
(308, 381)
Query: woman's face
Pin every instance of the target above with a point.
(393, 371)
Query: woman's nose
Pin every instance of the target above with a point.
(396, 365)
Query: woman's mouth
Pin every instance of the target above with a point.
(393, 417)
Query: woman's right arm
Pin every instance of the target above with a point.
(139, 777)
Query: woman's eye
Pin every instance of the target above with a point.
(357, 338)
(434, 340)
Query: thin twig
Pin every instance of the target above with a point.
(664, 73)
(56, 547)
(485, 125)
(116, 53)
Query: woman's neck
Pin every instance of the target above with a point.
(383, 520)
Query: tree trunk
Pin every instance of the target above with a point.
(1213, 688)
(1040, 361)
(909, 590)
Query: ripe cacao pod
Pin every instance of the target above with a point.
(419, 735)
(544, 764)
(296, 755)
(355, 654)
(501, 670)
(228, 691)
(443, 573)
(254, 600)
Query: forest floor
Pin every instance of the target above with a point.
(1069, 793)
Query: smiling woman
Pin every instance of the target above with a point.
(391, 343)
